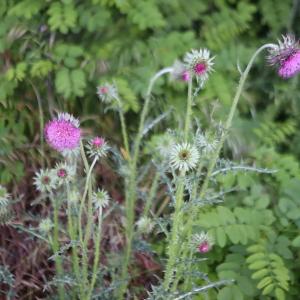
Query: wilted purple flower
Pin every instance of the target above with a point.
(63, 133)
(286, 55)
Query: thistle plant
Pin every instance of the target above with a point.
(186, 161)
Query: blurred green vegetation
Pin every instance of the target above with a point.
(59, 51)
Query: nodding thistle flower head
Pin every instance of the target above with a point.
(286, 55)
(183, 157)
(202, 242)
(100, 198)
(180, 72)
(199, 63)
(107, 92)
(45, 225)
(63, 133)
(145, 225)
(45, 181)
(97, 147)
(64, 173)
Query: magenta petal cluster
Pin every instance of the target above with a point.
(204, 247)
(286, 55)
(291, 66)
(63, 133)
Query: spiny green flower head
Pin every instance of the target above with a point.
(183, 157)
(64, 173)
(100, 198)
(202, 242)
(107, 92)
(45, 180)
(97, 147)
(45, 225)
(200, 64)
(145, 225)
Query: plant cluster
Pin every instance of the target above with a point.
(174, 168)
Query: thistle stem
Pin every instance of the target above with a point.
(123, 127)
(228, 123)
(97, 253)
(55, 244)
(188, 109)
(178, 215)
(72, 234)
(131, 193)
(174, 241)
(151, 195)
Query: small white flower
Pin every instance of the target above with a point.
(100, 198)
(45, 225)
(199, 63)
(64, 173)
(97, 147)
(45, 181)
(202, 242)
(184, 157)
(145, 225)
(107, 92)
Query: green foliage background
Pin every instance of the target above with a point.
(61, 50)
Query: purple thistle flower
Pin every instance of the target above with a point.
(63, 133)
(202, 242)
(286, 55)
(204, 247)
(291, 66)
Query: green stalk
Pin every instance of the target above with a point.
(72, 234)
(178, 215)
(41, 121)
(228, 123)
(173, 245)
(188, 110)
(87, 190)
(151, 195)
(55, 244)
(97, 254)
(192, 213)
(123, 127)
(131, 193)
